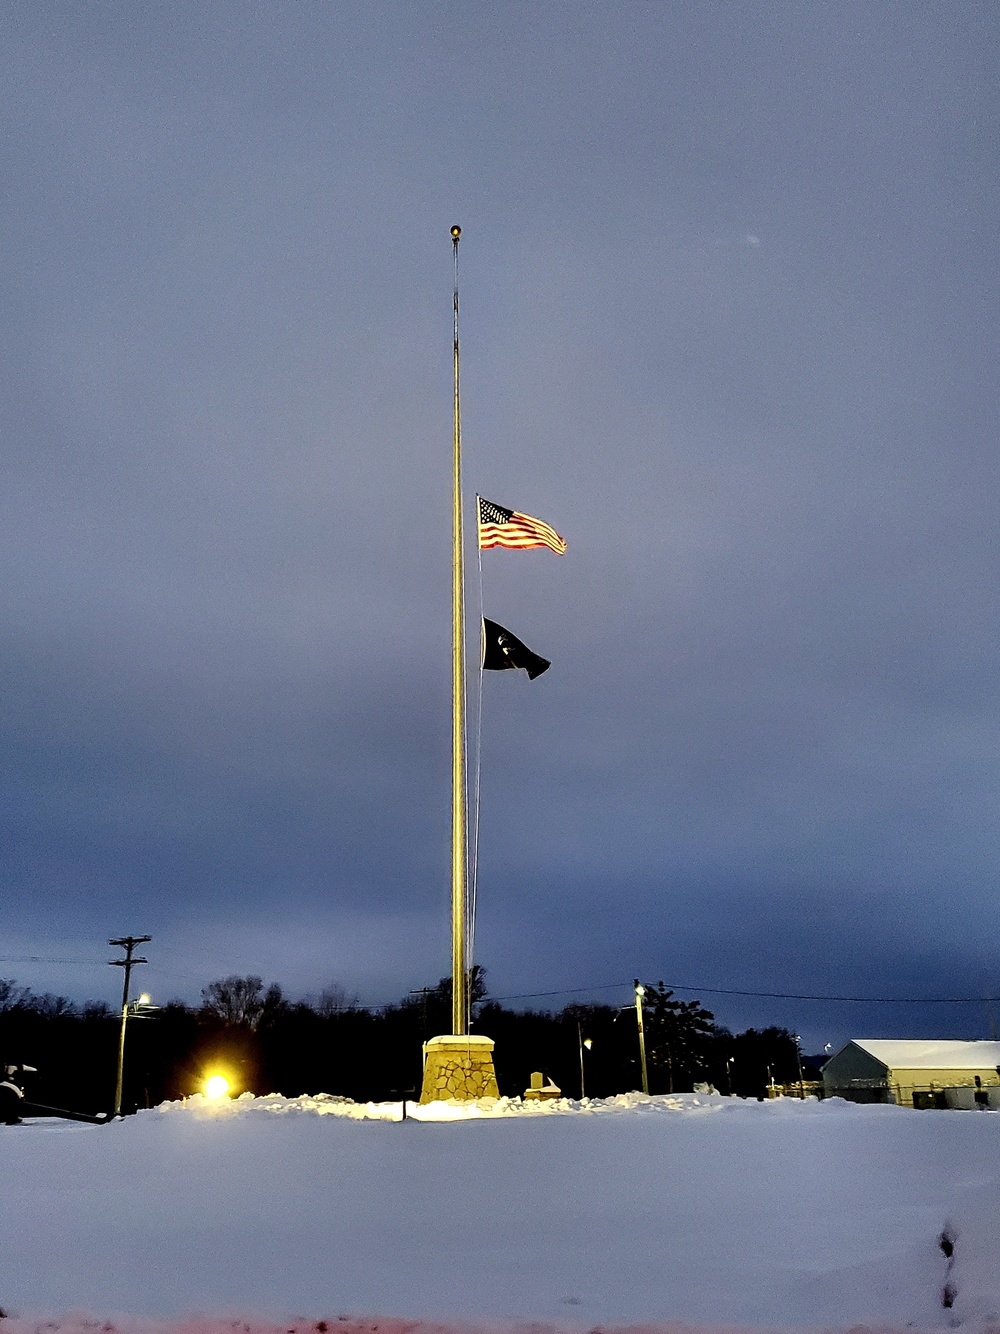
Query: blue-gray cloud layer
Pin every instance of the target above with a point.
(729, 322)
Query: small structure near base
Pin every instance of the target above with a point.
(541, 1089)
(458, 1068)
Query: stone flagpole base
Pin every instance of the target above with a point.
(460, 1068)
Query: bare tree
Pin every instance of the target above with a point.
(13, 997)
(241, 1000)
(53, 1007)
(333, 999)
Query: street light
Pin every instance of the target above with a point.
(128, 944)
(798, 1053)
(584, 1042)
(640, 991)
(137, 1009)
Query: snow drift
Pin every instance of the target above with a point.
(696, 1209)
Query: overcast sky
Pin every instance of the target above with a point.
(729, 323)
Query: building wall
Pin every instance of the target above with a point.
(856, 1075)
(904, 1083)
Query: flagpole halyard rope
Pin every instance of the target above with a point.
(470, 843)
(477, 771)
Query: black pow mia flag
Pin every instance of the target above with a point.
(502, 651)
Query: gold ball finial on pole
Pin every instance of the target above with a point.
(456, 232)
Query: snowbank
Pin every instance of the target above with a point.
(692, 1210)
(346, 1325)
(328, 1104)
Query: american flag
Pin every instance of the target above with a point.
(499, 527)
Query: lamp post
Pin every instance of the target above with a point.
(584, 1042)
(798, 1054)
(729, 1074)
(128, 944)
(640, 991)
(130, 1009)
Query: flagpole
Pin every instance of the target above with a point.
(458, 1065)
(459, 1003)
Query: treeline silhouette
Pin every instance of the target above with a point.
(265, 1043)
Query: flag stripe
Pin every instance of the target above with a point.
(499, 527)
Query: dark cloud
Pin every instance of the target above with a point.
(728, 324)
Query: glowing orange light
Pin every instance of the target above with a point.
(216, 1086)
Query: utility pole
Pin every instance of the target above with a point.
(128, 944)
(584, 1042)
(423, 993)
(798, 1055)
(640, 991)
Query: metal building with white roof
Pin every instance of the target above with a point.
(913, 1073)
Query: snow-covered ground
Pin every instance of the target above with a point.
(697, 1209)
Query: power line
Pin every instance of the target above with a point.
(566, 991)
(603, 986)
(764, 995)
(38, 958)
(862, 1000)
